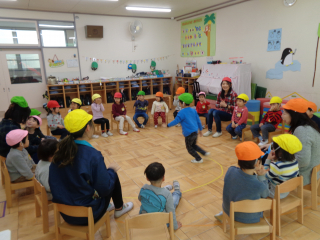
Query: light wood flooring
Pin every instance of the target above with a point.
(201, 185)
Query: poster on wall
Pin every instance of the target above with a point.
(198, 36)
(55, 62)
(274, 39)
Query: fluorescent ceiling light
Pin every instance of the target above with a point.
(147, 9)
(55, 26)
(8, 0)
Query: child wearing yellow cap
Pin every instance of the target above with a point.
(75, 104)
(239, 117)
(97, 112)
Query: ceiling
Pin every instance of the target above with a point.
(180, 9)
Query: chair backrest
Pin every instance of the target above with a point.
(90, 112)
(40, 191)
(251, 206)
(290, 185)
(251, 117)
(74, 211)
(5, 172)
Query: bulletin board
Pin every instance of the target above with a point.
(198, 36)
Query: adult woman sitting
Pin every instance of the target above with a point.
(78, 175)
(17, 113)
(226, 101)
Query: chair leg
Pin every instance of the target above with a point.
(2, 178)
(300, 214)
(232, 234)
(224, 222)
(38, 211)
(278, 223)
(9, 197)
(108, 228)
(45, 219)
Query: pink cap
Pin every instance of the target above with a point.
(38, 118)
(226, 79)
(202, 93)
(16, 136)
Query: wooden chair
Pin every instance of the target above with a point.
(290, 202)
(42, 203)
(86, 232)
(116, 122)
(10, 187)
(97, 126)
(50, 134)
(314, 187)
(247, 127)
(150, 220)
(151, 119)
(2, 162)
(251, 206)
(275, 133)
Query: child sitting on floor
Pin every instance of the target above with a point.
(239, 117)
(141, 109)
(46, 150)
(159, 109)
(312, 108)
(55, 121)
(269, 123)
(191, 124)
(202, 106)
(241, 183)
(75, 104)
(153, 198)
(179, 91)
(97, 112)
(119, 113)
(19, 163)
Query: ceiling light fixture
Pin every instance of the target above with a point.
(147, 9)
(55, 26)
(8, 0)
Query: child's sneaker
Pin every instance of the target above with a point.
(104, 135)
(110, 133)
(136, 130)
(123, 133)
(217, 134)
(203, 126)
(110, 207)
(142, 126)
(234, 137)
(169, 187)
(125, 208)
(95, 136)
(155, 126)
(176, 185)
(263, 142)
(207, 154)
(240, 139)
(207, 134)
(195, 161)
(178, 125)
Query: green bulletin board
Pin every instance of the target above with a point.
(198, 36)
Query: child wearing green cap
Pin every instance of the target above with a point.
(35, 112)
(141, 109)
(191, 125)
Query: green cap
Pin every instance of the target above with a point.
(153, 64)
(94, 66)
(134, 66)
(141, 93)
(20, 101)
(34, 112)
(187, 98)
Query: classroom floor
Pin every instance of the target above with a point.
(201, 186)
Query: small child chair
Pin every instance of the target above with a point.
(116, 122)
(2, 162)
(314, 187)
(251, 117)
(97, 126)
(50, 134)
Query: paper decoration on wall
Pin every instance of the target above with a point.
(55, 62)
(198, 36)
(315, 64)
(72, 63)
(285, 64)
(274, 40)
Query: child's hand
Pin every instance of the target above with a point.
(200, 134)
(260, 169)
(223, 104)
(60, 126)
(260, 125)
(42, 139)
(114, 166)
(237, 125)
(233, 125)
(179, 225)
(271, 155)
(265, 147)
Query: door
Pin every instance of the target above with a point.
(23, 75)
(4, 99)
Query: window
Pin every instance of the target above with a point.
(57, 34)
(18, 33)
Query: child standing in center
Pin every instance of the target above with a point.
(55, 121)
(97, 113)
(239, 117)
(159, 109)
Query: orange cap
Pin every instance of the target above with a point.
(159, 94)
(248, 151)
(180, 90)
(313, 106)
(297, 104)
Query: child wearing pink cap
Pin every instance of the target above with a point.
(202, 106)
(19, 163)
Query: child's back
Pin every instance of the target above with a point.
(42, 175)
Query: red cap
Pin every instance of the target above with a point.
(227, 79)
(53, 104)
(118, 95)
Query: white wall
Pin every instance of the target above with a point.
(158, 38)
(242, 31)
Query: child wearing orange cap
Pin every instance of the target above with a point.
(159, 109)
(242, 184)
(179, 91)
(312, 108)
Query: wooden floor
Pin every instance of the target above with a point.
(201, 185)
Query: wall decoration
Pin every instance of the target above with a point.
(72, 63)
(285, 64)
(274, 40)
(198, 36)
(315, 64)
(55, 62)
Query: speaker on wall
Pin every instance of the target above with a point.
(94, 31)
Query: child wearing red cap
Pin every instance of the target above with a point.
(119, 114)
(55, 121)
(312, 108)
(19, 163)
(159, 109)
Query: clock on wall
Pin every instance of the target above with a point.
(289, 3)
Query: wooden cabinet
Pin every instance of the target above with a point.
(186, 83)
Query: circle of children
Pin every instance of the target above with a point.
(73, 172)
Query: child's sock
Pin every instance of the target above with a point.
(102, 131)
(169, 187)
(176, 185)
(260, 138)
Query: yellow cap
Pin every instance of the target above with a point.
(289, 143)
(95, 96)
(244, 97)
(275, 100)
(76, 120)
(77, 100)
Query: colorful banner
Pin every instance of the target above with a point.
(198, 36)
(138, 61)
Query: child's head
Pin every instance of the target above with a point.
(155, 172)
(17, 138)
(34, 122)
(185, 98)
(159, 97)
(202, 96)
(312, 108)
(75, 104)
(248, 153)
(35, 112)
(275, 103)
(141, 95)
(180, 91)
(285, 146)
(118, 98)
(18, 110)
(96, 98)
(46, 149)
(53, 107)
(242, 99)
